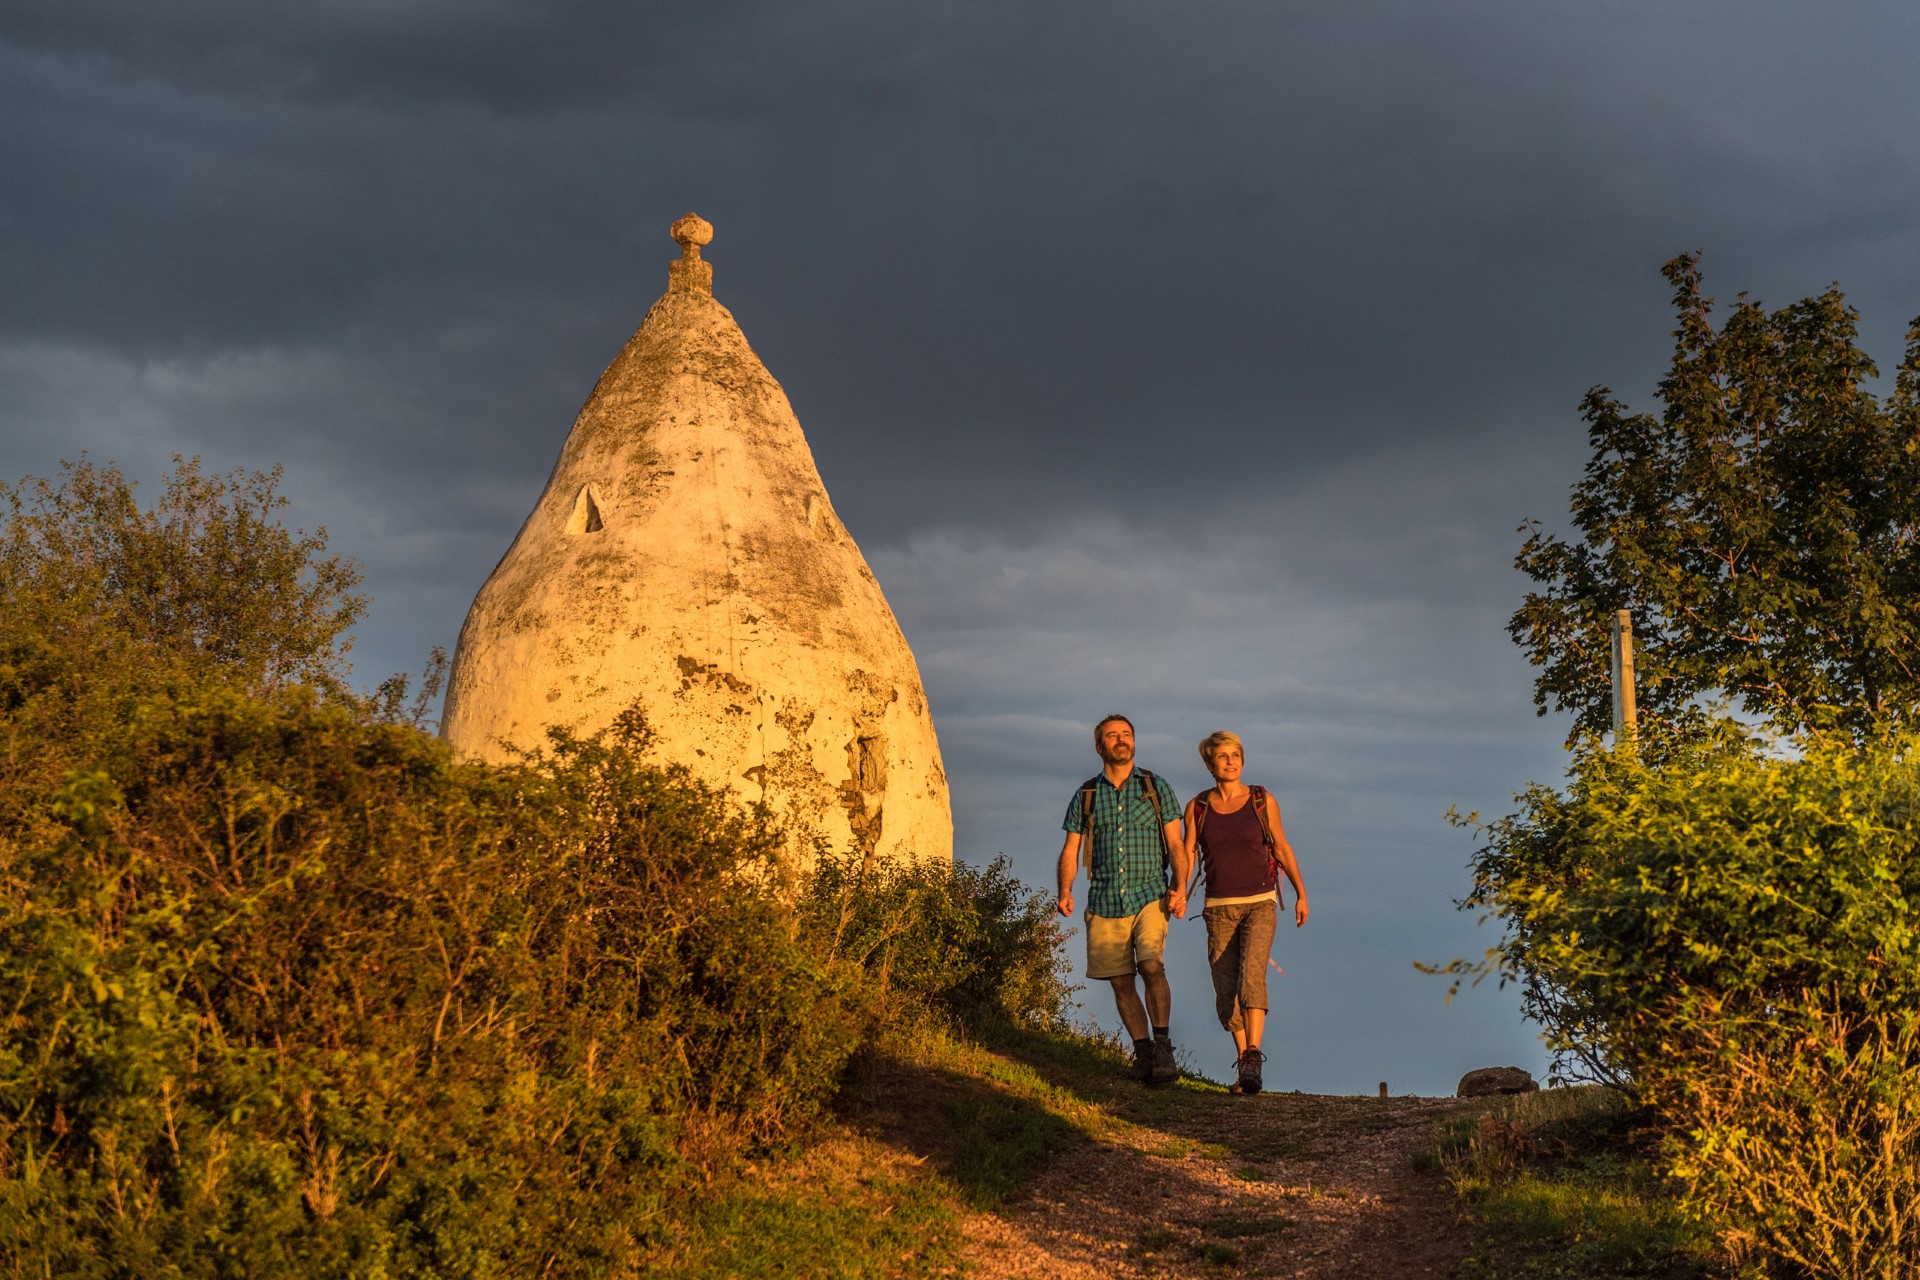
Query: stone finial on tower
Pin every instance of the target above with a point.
(689, 274)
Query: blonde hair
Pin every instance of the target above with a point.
(1214, 741)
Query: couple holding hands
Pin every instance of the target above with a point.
(1232, 832)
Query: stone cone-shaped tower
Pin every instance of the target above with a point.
(685, 557)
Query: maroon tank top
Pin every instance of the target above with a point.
(1234, 852)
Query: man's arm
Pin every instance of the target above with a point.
(1177, 852)
(1284, 852)
(1175, 839)
(1183, 859)
(1069, 868)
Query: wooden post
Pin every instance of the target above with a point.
(1383, 1088)
(1625, 716)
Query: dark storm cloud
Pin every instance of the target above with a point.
(1285, 229)
(1275, 315)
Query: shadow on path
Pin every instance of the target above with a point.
(1071, 1170)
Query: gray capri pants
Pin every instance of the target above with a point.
(1239, 940)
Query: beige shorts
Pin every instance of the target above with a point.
(1117, 944)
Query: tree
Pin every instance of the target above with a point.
(1762, 530)
(208, 576)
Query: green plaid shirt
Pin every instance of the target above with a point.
(1128, 866)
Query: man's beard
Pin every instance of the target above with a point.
(1117, 755)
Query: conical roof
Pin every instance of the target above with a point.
(685, 558)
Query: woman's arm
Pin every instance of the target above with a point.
(1284, 852)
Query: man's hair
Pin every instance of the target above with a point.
(1214, 741)
(1104, 721)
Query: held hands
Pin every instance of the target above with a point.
(1177, 902)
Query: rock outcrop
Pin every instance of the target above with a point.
(1488, 1082)
(685, 558)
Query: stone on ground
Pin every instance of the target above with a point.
(1488, 1082)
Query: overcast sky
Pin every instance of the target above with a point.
(1196, 361)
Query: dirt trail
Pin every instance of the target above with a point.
(1277, 1185)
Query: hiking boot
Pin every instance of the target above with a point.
(1249, 1071)
(1163, 1065)
(1142, 1068)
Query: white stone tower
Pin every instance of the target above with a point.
(685, 557)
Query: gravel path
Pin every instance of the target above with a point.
(1276, 1185)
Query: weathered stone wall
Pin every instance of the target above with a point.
(685, 557)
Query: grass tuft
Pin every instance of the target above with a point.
(1232, 1228)
(1560, 1185)
(1219, 1255)
(1154, 1239)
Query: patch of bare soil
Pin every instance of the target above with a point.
(1274, 1185)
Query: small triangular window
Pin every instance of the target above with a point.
(586, 512)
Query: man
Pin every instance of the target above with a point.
(1136, 842)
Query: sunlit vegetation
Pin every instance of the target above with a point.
(1716, 915)
(291, 992)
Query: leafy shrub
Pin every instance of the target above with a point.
(110, 608)
(975, 944)
(1811, 1145)
(1744, 931)
(207, 572)
(291, 991)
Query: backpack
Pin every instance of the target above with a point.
(1153, 794)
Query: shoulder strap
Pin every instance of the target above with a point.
(1086, 806)
(1200, 812)
(1152, 784)
(1259, 801)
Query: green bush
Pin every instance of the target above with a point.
(110, 608)
(1808, 1139)
(207, 573)
(1744, 932)
(289, 991)
(975, 945)
(293, 992)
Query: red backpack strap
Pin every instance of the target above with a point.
(1259, 801)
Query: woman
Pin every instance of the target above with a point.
(1234, 836)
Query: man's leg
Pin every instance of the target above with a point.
(1149, 945)
(1110, 956)
(1159, 994)
(1133, 1014)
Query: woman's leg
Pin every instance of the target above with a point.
(1223, 959)
(1255, 945)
